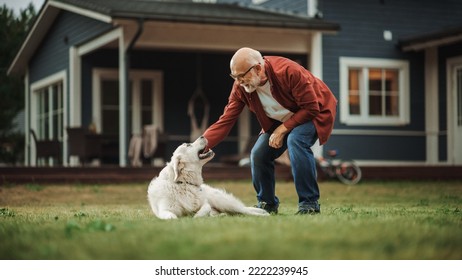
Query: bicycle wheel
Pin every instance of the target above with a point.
(348, 172)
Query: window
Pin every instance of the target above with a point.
(110, 106)
(374, 91)
(49, 121)
(145, 100)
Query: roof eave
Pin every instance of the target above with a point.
(314, 25)
(33, 38)
(45, 19)
(418, 46)
(430, 40)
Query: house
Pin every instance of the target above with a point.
(395, 67)
(81, 57)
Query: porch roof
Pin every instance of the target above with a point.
(111, 11)
(433, 39)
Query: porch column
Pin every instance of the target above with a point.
(315, 56)
(123, 97)
(431, 104)
(27, 113)
(72, 114)
(315, 66)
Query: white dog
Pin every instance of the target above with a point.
(179, 189)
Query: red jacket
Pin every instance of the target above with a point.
(295, 88)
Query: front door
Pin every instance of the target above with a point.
(144, 101)
(455, 111)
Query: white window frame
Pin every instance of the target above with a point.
(35, 89)
(47, 84)
(364, 118)
(136, 76)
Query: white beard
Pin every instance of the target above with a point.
(252, 85)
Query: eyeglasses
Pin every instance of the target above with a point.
(239, 77)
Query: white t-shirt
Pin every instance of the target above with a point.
(272, 108)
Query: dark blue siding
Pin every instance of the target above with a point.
(362, 24)
(372, 147)
(53, 54)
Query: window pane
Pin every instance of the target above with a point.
(56, 123)
(391, 78)
(375, 80)
(39, 113)
(43, 114)
(375, 105)
(146, 118)
(130, 94)
(57, 113)
(146, 102)
(45, 101)
(375, 92)
(55, 97)
(146, 93)
(110, 92)
(111, 122)
(46, 124)
(391, 103)
(60, 132)
(459, 97)
(110, 106)
(353, 91)
(392, 92)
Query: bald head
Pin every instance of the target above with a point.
(244, 58)
(248, 68)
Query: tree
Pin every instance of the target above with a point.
(13, 30)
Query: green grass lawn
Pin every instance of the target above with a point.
(372, 220)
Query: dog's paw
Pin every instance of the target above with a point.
(205, 210)
(216, 213)
(165, 215)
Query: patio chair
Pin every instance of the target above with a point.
(83, 144)
(46, 148)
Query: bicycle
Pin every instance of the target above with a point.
(346, 171)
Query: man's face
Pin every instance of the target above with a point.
(252, 82)
(248, 79)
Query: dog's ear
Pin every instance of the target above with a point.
(178, 165)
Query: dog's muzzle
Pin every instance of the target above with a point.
(204, 155)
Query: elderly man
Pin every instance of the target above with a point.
(294, 109)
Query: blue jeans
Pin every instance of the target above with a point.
(298, 142)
